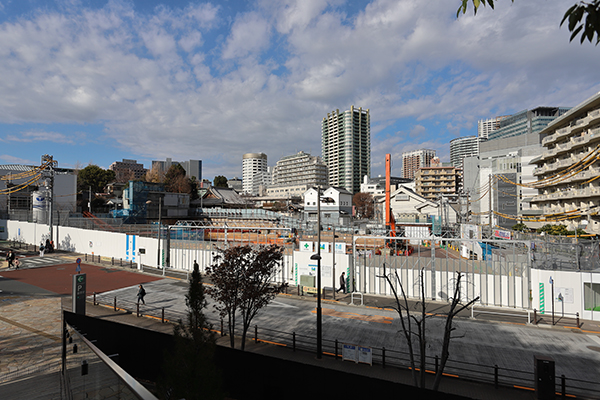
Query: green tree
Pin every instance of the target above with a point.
(242, 279)
(588, 28)
(220, 181)
(189, 371)
(520, 227)
(95, 177)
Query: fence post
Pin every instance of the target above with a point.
(255, 333)
(496, 376)
(112, 261)
(130, 263)
(293, 341)
(94, 298)
(222, 328)
(534, 316)
(437, 360)
(137, 309)
(563, 386)
(577, 313)
(85, 256)
(115, 303)
(162, 317)
(336, 349)
(383, 357)
(120, 262)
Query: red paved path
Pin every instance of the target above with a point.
(58, 278)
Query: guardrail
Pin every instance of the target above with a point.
(494, 374)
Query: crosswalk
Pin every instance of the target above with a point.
(32, 262)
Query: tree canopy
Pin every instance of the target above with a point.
(242, 278)
(588, 28)
(364, 205)
(95, 177)
(220, 181)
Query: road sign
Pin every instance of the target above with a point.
(78, 294)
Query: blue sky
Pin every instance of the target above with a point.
(98, 81)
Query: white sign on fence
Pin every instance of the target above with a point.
(358, 354)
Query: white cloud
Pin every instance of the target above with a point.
(195, 82)
(39, 136)
(250, 34)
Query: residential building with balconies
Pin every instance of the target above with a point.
(432, 182)
(568, 168)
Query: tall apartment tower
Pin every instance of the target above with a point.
(413, 160)
(346, 147)
(252, 164)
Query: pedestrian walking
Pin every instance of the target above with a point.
(196, 266)
(10, 258)
(140, 295)
(342, 283)
(41, 250)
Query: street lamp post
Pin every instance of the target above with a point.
(318, 258)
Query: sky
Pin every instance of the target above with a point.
(96, 81)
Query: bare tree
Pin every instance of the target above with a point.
(414, 327)
(242, 278)
(364, 205)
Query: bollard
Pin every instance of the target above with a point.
(577, 319)
(162, 317)
(255, 333)
(383, 357)
(85, 256)
(137, 311)
(336, 349)
(534, 316)
(563, 386)
(112, 261)
(436, 363)
(130, 263)
(496, 376)
(115, 304)
(120, 262)
(94, 298)
(222, 329)
(293, 341)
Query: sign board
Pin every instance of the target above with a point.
(141, 251)
(566, 295)
(78, 294)
(340, 248)
(308, 247)
(501, 234)
(358, 354)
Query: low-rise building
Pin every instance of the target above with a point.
(336, 206)
(433, 182)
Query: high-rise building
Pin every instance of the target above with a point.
(413, 160)
(300, 168)
(252, 164)
(127, 170)
(346, 147)
(462, 147)
(487, 126)
(526, 121)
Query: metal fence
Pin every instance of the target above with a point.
(294, 341)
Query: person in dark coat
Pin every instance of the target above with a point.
(342, 283)
(140, 295)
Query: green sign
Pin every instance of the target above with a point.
(542, 301)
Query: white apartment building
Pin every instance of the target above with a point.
(487, 126)
(346, 147)
(567, 170)
(299, 169)
(252, 164)
(462, 147)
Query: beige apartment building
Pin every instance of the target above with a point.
(568, 168)
(432, 182)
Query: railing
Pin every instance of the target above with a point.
(499, 376)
